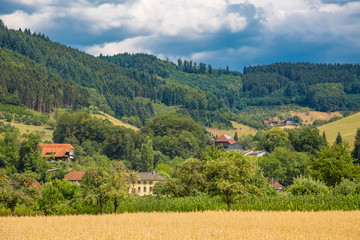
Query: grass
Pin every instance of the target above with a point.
(346, 126)
(310, 116)
(241, 129)
(115, 121)
(45, 132)
(192, 225)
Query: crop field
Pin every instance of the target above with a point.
(193, 225)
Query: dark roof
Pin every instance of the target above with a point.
(74, 176)
(151, 176)
(225, 138)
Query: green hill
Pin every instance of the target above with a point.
(43, 75)
(346, 126)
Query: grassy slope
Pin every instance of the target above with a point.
(346, 126)
(45, 132)
(115, 121)
(241, 129)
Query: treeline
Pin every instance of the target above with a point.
(324, 87)
(44, 75)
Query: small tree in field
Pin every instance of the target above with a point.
(17, 189)
(118, 183)
(229, 175)
(94, 185)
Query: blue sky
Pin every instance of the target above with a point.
(218, 32)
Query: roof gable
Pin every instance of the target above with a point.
(225, 138)
(74, 176)
(55, 149)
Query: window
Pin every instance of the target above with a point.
(145, 182)
(151, 182)
(139, 189)
(150, 189)
(139, 182)
(144, 189)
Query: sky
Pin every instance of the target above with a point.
(236, 33)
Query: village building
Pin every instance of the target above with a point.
(276, 185)
(271, 122)
(225, 141)
(57, 151)
(290, 121)
(145, 184)
(74, 177)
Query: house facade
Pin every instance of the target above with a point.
(145, 184)
(74, 177)
(58, 151)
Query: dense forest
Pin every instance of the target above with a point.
(44, 75)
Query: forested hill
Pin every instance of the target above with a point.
(43, 75)
(324, 87)
(50, 75)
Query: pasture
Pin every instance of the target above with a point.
(346, 126)
(192, 225)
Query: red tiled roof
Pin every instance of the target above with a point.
(225, 139)
(57, 149)
(151, 176)
(32, 183)
(271, 121)
(275, 184)
(74, 176)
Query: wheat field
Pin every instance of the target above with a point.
(195, 225)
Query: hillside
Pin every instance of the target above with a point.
(44, 75)
(115, 121)
(346, 126)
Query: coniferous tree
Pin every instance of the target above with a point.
(236, 137)
(338, 139)
(356, 152)
(324, 136)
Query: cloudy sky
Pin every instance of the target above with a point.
(218, 32)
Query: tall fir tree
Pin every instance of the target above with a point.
(338, 139)
(236, 137)
(356, 152)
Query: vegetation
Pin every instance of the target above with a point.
(193, 225)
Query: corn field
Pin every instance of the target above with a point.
(191, 225)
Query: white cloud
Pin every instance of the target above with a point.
(130, 45)
(20, 19)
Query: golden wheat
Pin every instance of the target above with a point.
(205, 225)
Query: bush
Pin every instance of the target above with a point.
(308, 186)
(347, 187)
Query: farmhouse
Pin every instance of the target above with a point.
(74, 177)
(224, 140)
(271, 122)
(289, 121)
(58, 151)
(276, 185)
(146, 182)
